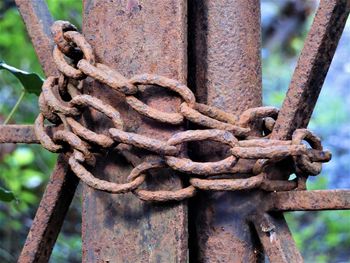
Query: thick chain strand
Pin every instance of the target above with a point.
(75, 60)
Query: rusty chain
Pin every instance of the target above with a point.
(62, 103)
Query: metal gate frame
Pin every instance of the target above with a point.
(219, 50)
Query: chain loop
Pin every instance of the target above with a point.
(143, 142)
(243, 168)
(251, 115)
(66, 47)
(64, 67)
(75, 161)
(41, 134)
(200, 119)
(304, 164)
(106, 75)
(150, 79)
(99, 105)
(88, 135)
(77, 39)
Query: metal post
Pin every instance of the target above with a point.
(225, 71)
(135, 37)
(225, 60)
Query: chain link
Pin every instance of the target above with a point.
(75, 60)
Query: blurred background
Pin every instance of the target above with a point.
(25, 169)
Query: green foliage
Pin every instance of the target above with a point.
(70, 10)
(19, 175)
(321, 236)
(67, 249)
(6, 196)
(31, 82)
(275, 82)
(330, 109)
(25, 171)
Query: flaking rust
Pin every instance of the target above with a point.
(226, 73)
(122, 228)
(79, 141)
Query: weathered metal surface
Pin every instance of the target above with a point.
(38, 21)
(276, 239)
(21, 133)
(17, 134)
(134, 37)
(225, 52)
(312, 67)
(309, 200)
(212, 25)
(225, 69)
(61, 188)
(302, 95)
(50, 214)
(53, 103)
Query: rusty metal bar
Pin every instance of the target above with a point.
(134, 37)
(17, 133)
(275, 237)
(61, 188)
(301, 98)
(309, 200)
(50, 214)
(225, 71)
(312, 67)
(38, 21)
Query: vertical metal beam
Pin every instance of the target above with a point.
(135, 37)
(225, 59)
(225, 53)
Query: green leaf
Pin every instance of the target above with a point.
(6, 195)
(30, 81)
(23, 156)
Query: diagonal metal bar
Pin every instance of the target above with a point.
(50, 214)
(274, 236)
(301, 98)
(17, 133)
(312, 67)
(38, 21)
(309, 200)
(61, 188)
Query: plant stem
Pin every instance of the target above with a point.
(15, 107)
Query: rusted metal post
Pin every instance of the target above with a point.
(225, 71)
(225, 60)
(135, 37)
